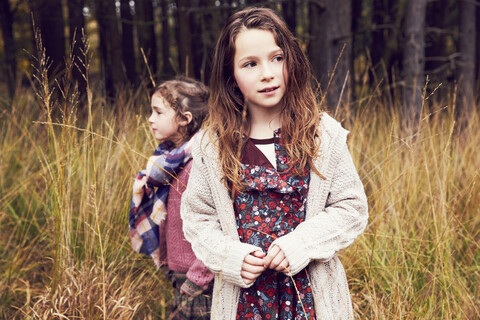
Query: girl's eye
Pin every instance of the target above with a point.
(278, 58)
(250, 64)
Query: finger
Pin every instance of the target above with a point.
(249, 277)
(253, 268)
(253, 260)
(248, 281)
(277, 260)
(271, 254)
(283, 266)
(258, 254)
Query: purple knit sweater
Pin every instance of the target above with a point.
(179, 255)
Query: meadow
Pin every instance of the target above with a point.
(67, 170)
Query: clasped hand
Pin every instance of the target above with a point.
(257, 262)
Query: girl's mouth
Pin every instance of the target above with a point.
(267, 90)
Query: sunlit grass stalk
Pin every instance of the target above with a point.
(54, 164)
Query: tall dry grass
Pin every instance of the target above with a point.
(65, 183)
(66, 177)
(419, 256)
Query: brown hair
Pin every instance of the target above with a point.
(227, 114)
(186, 95)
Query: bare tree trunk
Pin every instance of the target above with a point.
(436, 62)
(76, 25)
(110, 46)
(289, 10)
(356, 17)
(435, 50)
(146, 32)
(329, 32)
(211, 30)
(477, 52)
(466, 64)
(128, 53)
(48, 15)
(227, 9)
(379, 22)
(167, 68)
(196, 30)
(184, 39)
(413, 60)
(385, 50)
(318, 43)
(6, 23)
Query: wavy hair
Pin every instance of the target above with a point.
(186, 95)
(227, 120)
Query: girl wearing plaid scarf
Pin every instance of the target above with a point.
(178, 109)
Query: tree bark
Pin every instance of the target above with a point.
(317, 43)
(329, 31)
(289, 10)
(196, 30)
(184, 39)
(466, 64)
(128, 53)
(110, 46)
(167, 68)
(211, 30)
(356, 18)
(76, 24)
(48, 15)
(477, 52)
(435, 40)
(385, 50)
(413, 59)
(146, 32)
(6, 23)
(379, 22)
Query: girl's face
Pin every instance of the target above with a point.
(259, 69)
(164, 121)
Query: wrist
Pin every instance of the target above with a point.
(190, 288)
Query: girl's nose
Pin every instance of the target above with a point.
(150, 119)
(267, 73)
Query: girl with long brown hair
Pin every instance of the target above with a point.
(274, 194)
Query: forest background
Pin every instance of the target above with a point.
(401, 75)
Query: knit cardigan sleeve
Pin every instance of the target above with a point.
(336, 215)
(207, 227)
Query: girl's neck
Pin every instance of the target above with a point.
(177, 141)
(263, 125)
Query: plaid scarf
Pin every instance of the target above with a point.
(148, 207)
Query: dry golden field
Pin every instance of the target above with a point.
(64, 198)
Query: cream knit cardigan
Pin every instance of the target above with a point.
(336, 213)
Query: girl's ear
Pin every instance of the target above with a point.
(187, 118)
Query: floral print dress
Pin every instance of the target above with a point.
(272, 205)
